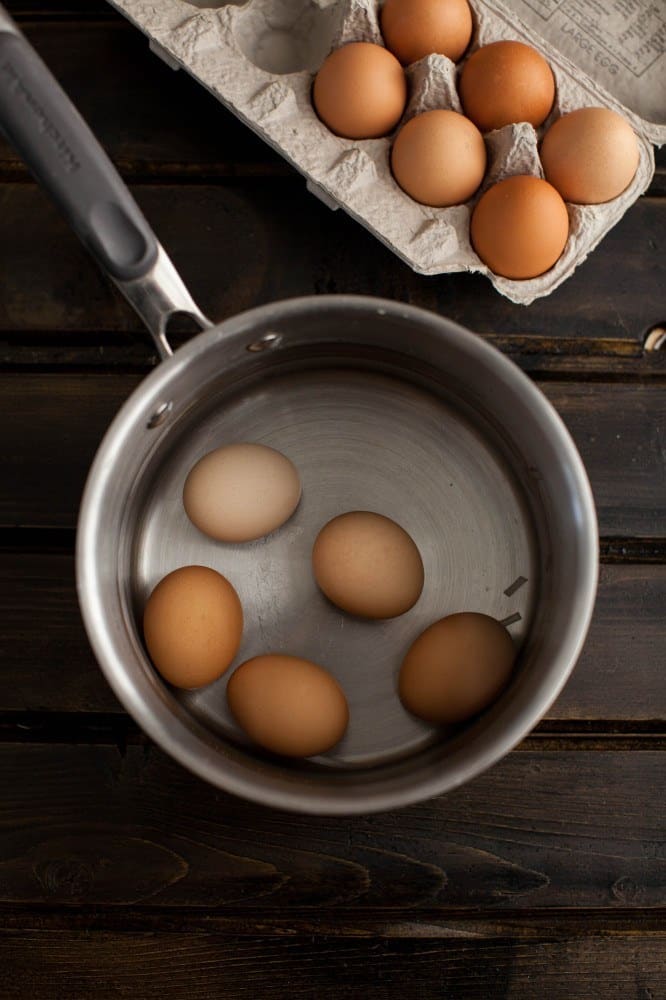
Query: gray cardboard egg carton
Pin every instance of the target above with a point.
(259, 58)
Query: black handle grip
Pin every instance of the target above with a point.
(47, 131)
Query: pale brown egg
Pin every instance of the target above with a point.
(368, 565)
(192, 625)
(288, 705)
(416, 28)
(456, 668)
(590, 155)
(360, 91)
(439, 158)
(241, 492)
(519, 227)
(506, 82)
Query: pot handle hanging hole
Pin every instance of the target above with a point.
(159, 296)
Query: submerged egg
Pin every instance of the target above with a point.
(456, 668)
(288, 705)
(192, 624)
(368, 565)
(241, 492)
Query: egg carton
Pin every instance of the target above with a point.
(259, 59)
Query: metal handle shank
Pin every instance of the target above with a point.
(47, 131)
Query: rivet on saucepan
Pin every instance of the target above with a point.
(264, 343)
(160, 415)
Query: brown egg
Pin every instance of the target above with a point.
(360, 91)
(506, 82)
(416, 28)
(519, 227)
(288, 705)
(590, 155)
(439, 158)
(241, 492)
(368, 565)
(192, 625)
(456, 668)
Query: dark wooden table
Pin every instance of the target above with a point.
(123, 876)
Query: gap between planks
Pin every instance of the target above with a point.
(119, 730)
(372, 922)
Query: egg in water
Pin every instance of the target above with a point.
(456, 668)
(192, 626)
(288, 705)
(241, 492)
(368, 565)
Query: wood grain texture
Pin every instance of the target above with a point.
(368, 922)
(199, 966)
(50, 426)
(46, 663)
(121, 875)
(50, 668)
(91, 826)
(249, 241)
(171, 126)
(623, 658)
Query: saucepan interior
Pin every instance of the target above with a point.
(381, 407)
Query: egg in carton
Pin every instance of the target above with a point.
(260, 57)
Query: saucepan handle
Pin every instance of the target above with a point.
(47, 131)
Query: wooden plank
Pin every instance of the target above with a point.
(170, 126)
(21, 9)
(203, 965)
(91, 826)
(619, 432)
(46, 663)
(51, 429)
(50, 426)
(620, 675)
(250, 241)
(623, 658)
(83, 9)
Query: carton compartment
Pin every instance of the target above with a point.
(286, 36)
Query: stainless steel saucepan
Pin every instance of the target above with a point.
(381, 407)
